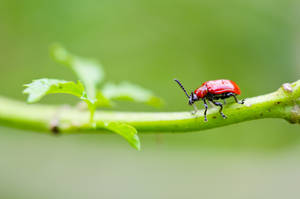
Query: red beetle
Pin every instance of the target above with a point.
(213, 90)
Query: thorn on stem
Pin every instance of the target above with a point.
(247, 104)
(287, 87)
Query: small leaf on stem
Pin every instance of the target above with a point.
(41, 87)
(88, 71)
(126, 131)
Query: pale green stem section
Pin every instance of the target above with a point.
(284, 103)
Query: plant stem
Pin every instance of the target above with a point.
(283, 103)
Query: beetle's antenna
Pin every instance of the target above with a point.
(182, 87)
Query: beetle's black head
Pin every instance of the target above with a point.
(193, 98)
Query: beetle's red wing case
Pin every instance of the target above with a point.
(222, 86)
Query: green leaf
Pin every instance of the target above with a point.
(88, 71)
(102, 101)
(126, 131)
(41, 87)
(130, 92)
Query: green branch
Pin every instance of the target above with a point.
(284, 103)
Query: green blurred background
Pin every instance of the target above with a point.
(253, 42)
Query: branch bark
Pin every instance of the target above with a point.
(283, 103)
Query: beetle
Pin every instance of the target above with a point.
(211, 91)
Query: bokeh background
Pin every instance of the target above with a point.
(253, 42)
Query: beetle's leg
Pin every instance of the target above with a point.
(223, 97)
(236, 100)
(195, 109)
(205, 111)
(221, 108)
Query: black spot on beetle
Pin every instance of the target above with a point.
(277, 102)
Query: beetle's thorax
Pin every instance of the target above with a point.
(201, 92)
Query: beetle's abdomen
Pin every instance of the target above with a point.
(222, 86)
